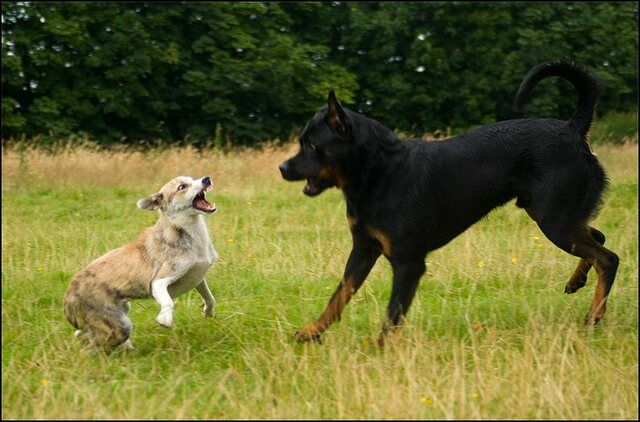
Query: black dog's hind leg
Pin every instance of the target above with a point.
(406, 277)
(579, 240)
(579, 277)
(581, 243)
(362, 258)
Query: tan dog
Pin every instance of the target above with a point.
(167, 260)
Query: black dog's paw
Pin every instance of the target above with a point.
(591, 319)
(575, 285)
(307, 334)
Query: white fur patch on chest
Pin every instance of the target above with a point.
(190, 279)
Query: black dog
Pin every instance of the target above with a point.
(407, 198)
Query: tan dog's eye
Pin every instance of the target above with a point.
(182, 187)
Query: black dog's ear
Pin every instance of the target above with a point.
(336, 116)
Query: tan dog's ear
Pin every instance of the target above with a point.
(151, 203)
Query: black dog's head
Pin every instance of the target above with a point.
(324, 147)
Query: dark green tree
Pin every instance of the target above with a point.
(144, 71)
(251, 71)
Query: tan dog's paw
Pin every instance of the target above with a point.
(165, 318)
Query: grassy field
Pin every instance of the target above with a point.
(490, 334)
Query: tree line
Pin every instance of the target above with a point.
(246, 72)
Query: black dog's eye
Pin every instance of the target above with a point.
(312, 147)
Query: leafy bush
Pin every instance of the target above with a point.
(246, 72)
(616, 128)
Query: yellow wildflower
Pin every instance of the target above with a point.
(426, 400)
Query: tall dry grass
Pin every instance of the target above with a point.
(90, 165)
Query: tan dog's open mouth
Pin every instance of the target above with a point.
(200, 202)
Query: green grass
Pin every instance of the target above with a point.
(490, 333)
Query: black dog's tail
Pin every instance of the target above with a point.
(588, 87)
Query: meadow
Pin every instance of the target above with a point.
(490, 334)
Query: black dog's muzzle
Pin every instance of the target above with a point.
(288, 171)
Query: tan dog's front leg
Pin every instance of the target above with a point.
(161, 295)
(209, 300)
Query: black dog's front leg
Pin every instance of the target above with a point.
(406, 277)
(362, 258)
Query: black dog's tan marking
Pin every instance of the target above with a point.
(407, 198)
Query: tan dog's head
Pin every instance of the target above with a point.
(181, 195)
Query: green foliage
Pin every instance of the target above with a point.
(615, 128)
(245, 72)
